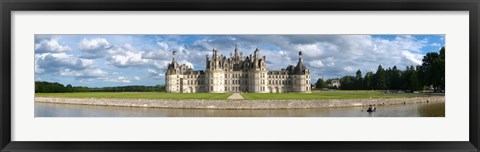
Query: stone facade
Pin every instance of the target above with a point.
(237, 74)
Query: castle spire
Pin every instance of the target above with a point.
(300, 56)
(174, 53)
(300, 68)
(236, 51)
(214, 53)
(174, 63)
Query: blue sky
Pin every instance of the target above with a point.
(119, 60)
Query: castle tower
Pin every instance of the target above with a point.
(215, 76)
(171, 75)
(301, 76)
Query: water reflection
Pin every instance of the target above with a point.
(66, 110)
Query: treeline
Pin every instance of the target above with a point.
(430, 73)
(55, 87)
(157, 88)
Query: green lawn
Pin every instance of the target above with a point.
(326, 95)
(138, 95)
(338, 94)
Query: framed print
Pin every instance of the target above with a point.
(239, 76)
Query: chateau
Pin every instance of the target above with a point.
(237, 74)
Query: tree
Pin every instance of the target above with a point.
(432, 70)
(49, 87)
(380, 78)
(358, 80)
(347, 83)
(368, 81)
(394, 78)
(320, 84)
(442, 68)
(409, 79)
(69, 88)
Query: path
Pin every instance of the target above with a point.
(235, 96)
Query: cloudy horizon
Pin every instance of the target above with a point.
(120, 60)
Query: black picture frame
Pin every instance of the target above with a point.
(7, 6)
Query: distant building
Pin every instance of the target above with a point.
(334, 84)
(237, 74)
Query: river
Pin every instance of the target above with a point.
(68, 110)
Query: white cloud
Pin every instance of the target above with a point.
(67, 65)
(162, 45)
(136, 78)
(157, 55)
(94, 44)
(50, 45)
(96, 48)
(117, 80)
(56, 61)
(413, 57)
(317, 64)
(86, 73)
(127, 59)
(312, 50)
(156, 74)
(436, 44)
(349, 69)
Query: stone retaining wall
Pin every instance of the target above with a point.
(239, 104)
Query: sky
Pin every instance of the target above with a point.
(121, 60)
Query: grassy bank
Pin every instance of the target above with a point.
(138, 95)
(338, 94)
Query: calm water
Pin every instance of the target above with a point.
(66, 110)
